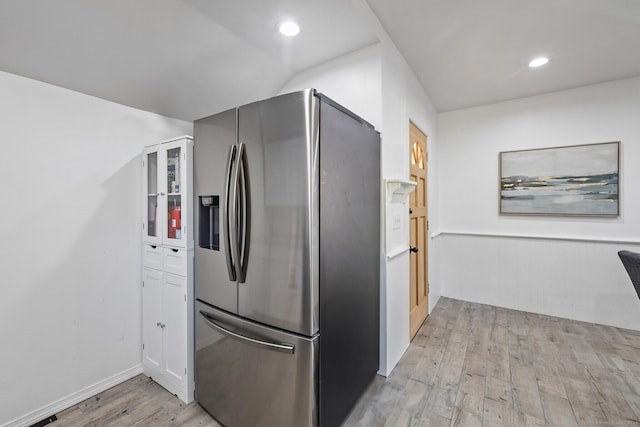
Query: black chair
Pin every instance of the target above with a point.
(631, 261)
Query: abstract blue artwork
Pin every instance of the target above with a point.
(571, 180)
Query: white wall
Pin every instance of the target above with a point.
(562, 266)
(403, 100)
(70, 310)
(376, 83)
(353, 81)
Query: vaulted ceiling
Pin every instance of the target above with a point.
(190, 58)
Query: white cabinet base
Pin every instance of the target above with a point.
(167, 330)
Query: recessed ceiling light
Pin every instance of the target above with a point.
(537, 62)
(288, 28)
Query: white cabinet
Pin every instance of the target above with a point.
(167, 273)
(167, 179)
(167, 334)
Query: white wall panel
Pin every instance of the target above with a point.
(353, 81)
(70, 231)
(581, 280)
(404, 99)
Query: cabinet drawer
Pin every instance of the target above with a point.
(152, 256)
(175, 261)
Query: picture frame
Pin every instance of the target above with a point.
(574, 180)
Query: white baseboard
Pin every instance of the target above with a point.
(73, 398)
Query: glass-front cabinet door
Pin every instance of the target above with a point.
(173, 225)
(166, 185)
(152, 233)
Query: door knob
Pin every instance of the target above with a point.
(413, 249)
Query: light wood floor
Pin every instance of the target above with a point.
(469, 365)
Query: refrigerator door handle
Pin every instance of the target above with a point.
(234, 210)
(244, 228)
(283, 348)
(228, 238)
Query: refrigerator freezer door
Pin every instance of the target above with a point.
(281, 145)
(213, 138)
(251, 375)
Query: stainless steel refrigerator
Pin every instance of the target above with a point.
(286, 262)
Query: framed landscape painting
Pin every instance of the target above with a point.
(572, 180)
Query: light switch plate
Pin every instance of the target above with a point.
(396, 222)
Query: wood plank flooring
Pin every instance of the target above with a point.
(469, 365)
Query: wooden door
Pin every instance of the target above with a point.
(419, 286)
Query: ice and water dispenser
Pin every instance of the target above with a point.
(209, 222)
